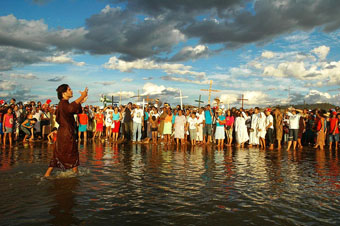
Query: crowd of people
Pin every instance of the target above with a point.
(155, 123)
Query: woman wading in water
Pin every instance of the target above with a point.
(65, 154)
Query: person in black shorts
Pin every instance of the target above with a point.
(154, 128)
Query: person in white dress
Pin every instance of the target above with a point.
(241, 129)
(261, 130)
(180, 127)
(200, 122)
(253, 135)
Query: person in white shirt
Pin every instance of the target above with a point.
(241, 130)
(261, 130)
(192, 122)
(138, 123)
(108, 121)
(253, 135)
(270, 128)
(294, 120)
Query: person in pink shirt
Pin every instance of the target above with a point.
(229, 125)
(333, 135)
(7, 125)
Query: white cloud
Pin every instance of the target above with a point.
(321, 52)
(268, 54)
(127, 80)
(106, 83)
(297, 37)
(7, 85)
(28, 76)
(185, 80)
(147, 78)
(315, 96)
(191, 53)
(123, 94)
(153, 89)
(125, 66)
(254, 98)
(287, 69)
(63, 59)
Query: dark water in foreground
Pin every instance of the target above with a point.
(146, 185)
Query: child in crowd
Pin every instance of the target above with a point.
(154, 128)
(28, 128)
(52, 137)
(7, 127)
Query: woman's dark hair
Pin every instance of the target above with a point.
(54, 129)
(60, 90)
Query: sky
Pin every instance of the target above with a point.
(271, 51)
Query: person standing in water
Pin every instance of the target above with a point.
(65, 154)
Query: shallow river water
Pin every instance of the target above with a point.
(133, 184)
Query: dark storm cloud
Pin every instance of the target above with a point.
(271, 18)
(152, 28)
(11, 57)
(119, 31)
(56, 79)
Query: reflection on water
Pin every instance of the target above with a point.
(147, 184)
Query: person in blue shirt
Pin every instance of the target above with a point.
(208, 124)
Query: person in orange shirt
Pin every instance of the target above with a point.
(83, 121)
(52, 137)
(99, 117)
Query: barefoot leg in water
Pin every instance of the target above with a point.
(48, 172)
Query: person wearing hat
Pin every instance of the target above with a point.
(333, 131)
(294, 121)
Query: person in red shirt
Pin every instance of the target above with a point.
(99, 117)
(83, 121)
(333, 135)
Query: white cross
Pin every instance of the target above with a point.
(181, 98)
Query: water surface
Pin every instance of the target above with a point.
(134, 184)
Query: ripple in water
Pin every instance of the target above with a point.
(152, 185)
